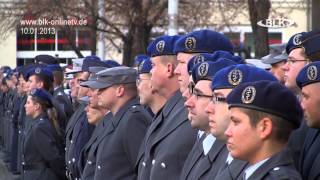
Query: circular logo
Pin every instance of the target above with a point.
(37, 70)
(312, 73)
(248, 95)
(297, 39)
(203, 69)
(190, 43)
(160, 46)
(235, 77)
(198, 59)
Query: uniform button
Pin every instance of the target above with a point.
(23, 163)
(71, 142)
(69, 162)
(276, 168)
(144, 164)
(153, 161)
(99, 167)
(89, 162)
(65, 149)
(73, 160)
(163, 165)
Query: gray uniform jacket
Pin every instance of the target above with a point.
(233, 171)
(167, 144)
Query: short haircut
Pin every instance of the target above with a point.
(169, 59)
(281, 127)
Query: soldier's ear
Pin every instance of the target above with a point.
(170, 69)
(264, 128)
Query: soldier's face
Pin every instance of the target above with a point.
(310, 104)
(33, 83)
(243, 141)
(182, 70)
(74, 85)
(158, 74)
(278, 71)
(107, 97)
(218, 112)
(30, 107)
(93, 97)
(196, 104)
(83, 91)
(144, 89)
(94, 115)
(296, 61)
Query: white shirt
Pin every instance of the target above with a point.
(207, 143)
(251, 169)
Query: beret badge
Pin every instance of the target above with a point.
(190, 43)
(312, 73)
(297, 39)
(160, 46)
(248, 95)
(203, 69)
(37, 70)
(235, 77)
(199, 59)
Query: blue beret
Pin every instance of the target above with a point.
(295, 41)
(139, 58)
(311, 42)
(203, 41)
(267, 96)
(162, 45)
(227, 55)
(145, 66)
(111, 63)
(43, 95)
(199, 58)
(206, 70)
(309, 74)
(40, 71)
(45, 59)
(232, 76)
(91, 61)
(54, 67)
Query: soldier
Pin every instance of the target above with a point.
(201, 41)
(308, 80)
(260, 128)
(207, 154)
(170, 137)
(222, 84)
(119, 144)
(41, 153)
(277, 58)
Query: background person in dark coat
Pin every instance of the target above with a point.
(42, 158)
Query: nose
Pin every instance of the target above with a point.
(209, 108)
(190, 102)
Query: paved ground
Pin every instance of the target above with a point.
(4, 173)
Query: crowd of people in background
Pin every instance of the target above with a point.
(188, 109)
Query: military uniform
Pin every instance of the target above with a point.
(41, 154)
(118, 151)
(167, 143)
(78, 133)
(64, 101)
(232, 171)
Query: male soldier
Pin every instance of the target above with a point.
(260, 128)
(202, 41)
(308, 80)
(118, 148)
(170, 138)
(79, 131)
(277, 58)
(222, 84)
(207, 154)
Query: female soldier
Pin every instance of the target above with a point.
(42, 152)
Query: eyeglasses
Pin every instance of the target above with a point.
(293, 61)
(198, 94)
(216, 99)
(191, 86)
(138, 81)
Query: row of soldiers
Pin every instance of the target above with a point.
(191, 109)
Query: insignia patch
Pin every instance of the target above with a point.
(198, 59)
(140, 66)
(203, 69)
(190, 43)
(312, 73)
(160, 46)
(297, 39)
(248, 95)
(37, 70)
(235, 77)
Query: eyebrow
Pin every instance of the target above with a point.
(198, 90)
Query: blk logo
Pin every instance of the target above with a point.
(276, 23)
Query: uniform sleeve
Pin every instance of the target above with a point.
(134, 134)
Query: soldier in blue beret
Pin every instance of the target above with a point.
(139, 58)
(227, 55)
(201, 41)
(222, 84)
(40, 77)
(308, 80)
(170, 134)
(147, 95)
(42, 156)
(207, 154)
(260, 128)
